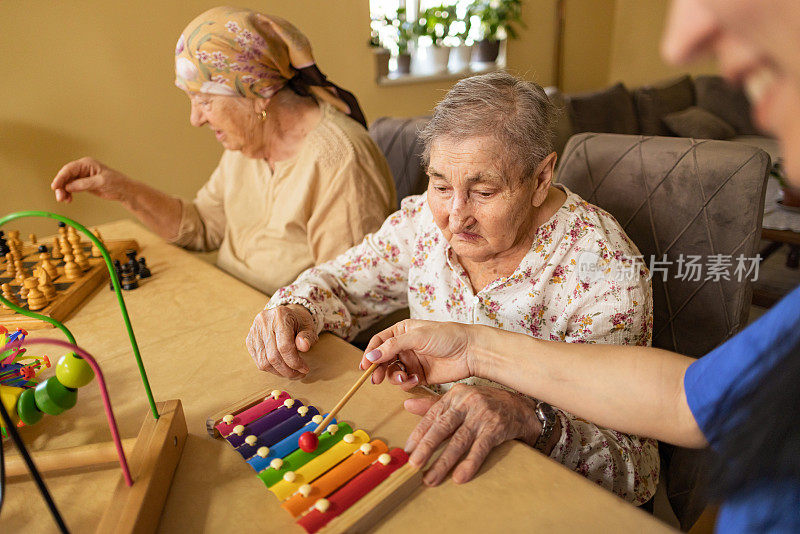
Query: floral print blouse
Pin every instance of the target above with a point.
(569, 287)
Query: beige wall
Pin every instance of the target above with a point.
(86, 77)
(588, 37)
(635, 57)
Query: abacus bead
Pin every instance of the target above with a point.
(26, 408)
(53, 398)
(73, 372)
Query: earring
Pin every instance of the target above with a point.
(263, 114)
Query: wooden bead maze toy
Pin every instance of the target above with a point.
(139, 497)
(60, 273)
(346, 484)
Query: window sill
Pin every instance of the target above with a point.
(395, 78)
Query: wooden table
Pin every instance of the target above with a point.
(191, 321)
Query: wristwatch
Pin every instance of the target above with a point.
(547, 416)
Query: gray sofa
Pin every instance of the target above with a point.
(704, 107)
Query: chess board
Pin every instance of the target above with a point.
(70, 293)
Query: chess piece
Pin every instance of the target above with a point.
(32, 238)
(36, 299)
(71, 269)
(22, 273)
(47, 265)
(46, 286)
(117, 273)
(95, 249)
(3, 245)
(131, 254)
(8, 295)
(128, 278)
(13, 237)
(144, 271)
(81, 260)
(11, 269)
(56, 250)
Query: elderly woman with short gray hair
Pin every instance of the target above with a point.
(491, 242)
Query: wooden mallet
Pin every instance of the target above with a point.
(309, 440)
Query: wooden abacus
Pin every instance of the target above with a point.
(347, 484)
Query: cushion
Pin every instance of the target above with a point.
(655, 101)
(698, 123)
(607, 111)
(716, 95)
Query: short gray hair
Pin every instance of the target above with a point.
(516, 112)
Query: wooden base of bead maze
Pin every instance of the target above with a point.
(70, 293)
(365, 513)
(155, 456)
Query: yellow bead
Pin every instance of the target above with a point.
(73, 372)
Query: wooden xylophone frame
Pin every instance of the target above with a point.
(368, 510)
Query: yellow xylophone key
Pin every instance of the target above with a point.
(318, 466)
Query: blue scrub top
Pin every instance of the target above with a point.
(733, 367)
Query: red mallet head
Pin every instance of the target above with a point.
(308, 441)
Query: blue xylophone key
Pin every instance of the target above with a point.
(275, 417)
(276, 433)
(283, 448)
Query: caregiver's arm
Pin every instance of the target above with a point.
(636, 390)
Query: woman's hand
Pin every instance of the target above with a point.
(476, 419)
(88, 174)
(432, 353)
(299, 46)
(276, 336)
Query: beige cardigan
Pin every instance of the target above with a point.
(269, 226)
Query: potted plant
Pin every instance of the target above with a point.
(382, 54)
(497, 18)
(461, 52)
(403, 34)
(433, 26)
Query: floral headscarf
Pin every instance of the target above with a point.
(222, 52)
(225, 52)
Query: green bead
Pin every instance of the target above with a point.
(26, 408)
(53, 398)
(73, 372)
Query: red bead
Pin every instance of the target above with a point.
(308, 441)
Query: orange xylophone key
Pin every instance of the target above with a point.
(354, 490)
(334, 479)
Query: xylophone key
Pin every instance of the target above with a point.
(249, 415)
(263, 424)
(337, 477)
(354, 490)
(299, 458)
(315, 468)
(284, 447)
(272, 436)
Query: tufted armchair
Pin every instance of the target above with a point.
(679, 197)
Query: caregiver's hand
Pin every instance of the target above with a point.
(432, 353)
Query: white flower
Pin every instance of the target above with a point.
(213, 88)
(185, 69)
(494, 4)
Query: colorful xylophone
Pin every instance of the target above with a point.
(346, 484)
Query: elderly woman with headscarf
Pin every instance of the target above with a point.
(492, 242)
(299, 181)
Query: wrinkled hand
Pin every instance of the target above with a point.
(277, 335)
(432, 353)
(88, 174)
(476, 419)
(299, 46)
